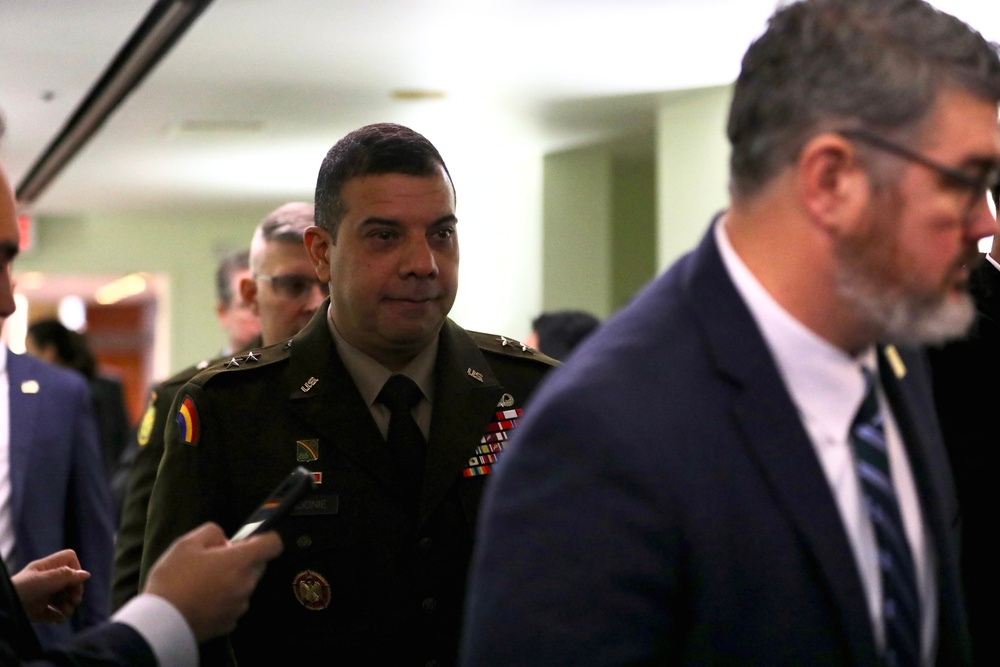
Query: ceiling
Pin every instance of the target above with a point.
(246, 104)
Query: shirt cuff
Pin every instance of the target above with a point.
(163, 628)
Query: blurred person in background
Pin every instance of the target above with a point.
(282, 290)
(236, 316)
(557, 332)
(51, 340)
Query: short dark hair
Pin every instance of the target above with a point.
(71, 347)
(382, 148)
(230, 263)
(562, 330)
(823, 65)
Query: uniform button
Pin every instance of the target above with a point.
(429, 604)
(304, 542)
(425, 543)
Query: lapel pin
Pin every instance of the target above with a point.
(310, 383)
(475, 375)
(895, 361)
(506, 401)
(29, 387)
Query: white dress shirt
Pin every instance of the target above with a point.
(827, 386)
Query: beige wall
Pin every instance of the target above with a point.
(613, 218)
(182, 251)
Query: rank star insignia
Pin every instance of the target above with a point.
(252, 357)
(232, 363)
(503, 341)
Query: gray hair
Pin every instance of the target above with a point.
(285, 224)
(823, 65)
(381, 148)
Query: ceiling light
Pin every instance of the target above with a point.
(412, 94)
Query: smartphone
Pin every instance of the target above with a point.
(278, 504)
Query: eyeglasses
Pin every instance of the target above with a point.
(978, 184)
(292, 286)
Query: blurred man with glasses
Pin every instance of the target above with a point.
(283, 291)
(283, 288)
(760, 478)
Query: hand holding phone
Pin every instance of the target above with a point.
(277, 505)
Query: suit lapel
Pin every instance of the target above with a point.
(23, 415)
(463, 406)
(776, 440)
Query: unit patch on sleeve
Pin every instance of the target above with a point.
(187, 422)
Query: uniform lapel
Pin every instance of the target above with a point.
(466, 394)
(323, 395)
(775, 438)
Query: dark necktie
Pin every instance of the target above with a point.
(900, 599)
(405, 441)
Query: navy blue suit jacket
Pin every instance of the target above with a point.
(662, 503)
(60, 494)
(107, 645)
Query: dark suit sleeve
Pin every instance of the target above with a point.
(573, 562)
(190, 481)
(131, 532)
(105, 645)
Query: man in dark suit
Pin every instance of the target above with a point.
(965, 397)
(283, 293)
(59, 497)
(196, 591)
(741, 467)
(376, 569)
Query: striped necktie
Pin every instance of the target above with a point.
(900, 599)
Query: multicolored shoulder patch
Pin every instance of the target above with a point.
(491, 445)
(146, 425)
(188, 425)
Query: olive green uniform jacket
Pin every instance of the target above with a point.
(148, 450)
(366, 577)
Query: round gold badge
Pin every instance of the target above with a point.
(312, 590)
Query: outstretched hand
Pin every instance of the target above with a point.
(51, 588)
(209, 579)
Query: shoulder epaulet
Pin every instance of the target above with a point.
(183, 376)
(247, 360)
(510, 347)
